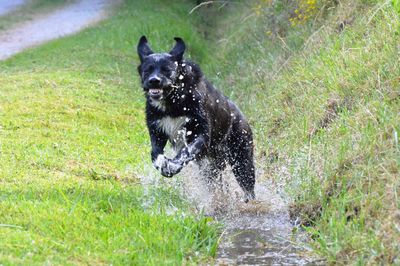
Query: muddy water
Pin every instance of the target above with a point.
(255, 233)
(260, 240)
(64, 21)
(260, 233)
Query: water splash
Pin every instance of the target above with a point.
(255, 233)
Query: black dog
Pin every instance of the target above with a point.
(201, 123)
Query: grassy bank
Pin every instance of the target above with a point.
(322, 94)
(72, 137)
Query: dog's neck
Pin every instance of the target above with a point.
(158, 104)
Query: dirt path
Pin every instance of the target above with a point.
(61, 22)
(7, 6)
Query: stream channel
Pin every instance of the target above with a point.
(256, 233)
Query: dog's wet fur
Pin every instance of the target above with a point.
(199, 121)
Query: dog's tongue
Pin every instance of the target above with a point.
(155, 91)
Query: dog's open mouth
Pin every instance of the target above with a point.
(155, 92)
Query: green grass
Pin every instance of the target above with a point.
(94, 222)
(72, 142)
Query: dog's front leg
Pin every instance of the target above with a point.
(184, 156)
(167, 167)
(196, 142)
(158, 142)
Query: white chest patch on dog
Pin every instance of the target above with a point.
(174, 128)
(171, 125)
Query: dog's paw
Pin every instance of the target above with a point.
(249, 195)
(160, 162)
(167, 167)
(171, 168)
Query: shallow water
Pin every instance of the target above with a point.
(255, 233)
(265, 239)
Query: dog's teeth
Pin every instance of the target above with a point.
(154, 91)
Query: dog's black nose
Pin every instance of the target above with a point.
(154, 82)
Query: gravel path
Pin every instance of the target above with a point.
(7, 6)
(61, 22)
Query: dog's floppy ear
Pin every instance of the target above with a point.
(178, 50)
(143, 49)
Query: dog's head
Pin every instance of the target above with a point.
(159, 72)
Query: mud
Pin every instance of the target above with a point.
(61, 22)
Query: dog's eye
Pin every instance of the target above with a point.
(149, 69)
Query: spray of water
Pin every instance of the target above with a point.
(255, 233)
